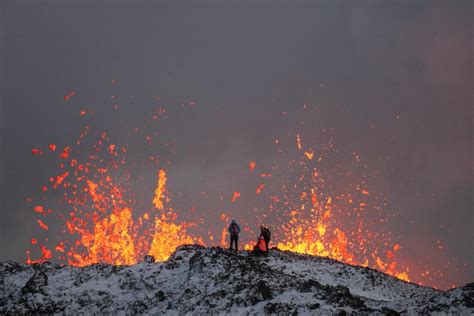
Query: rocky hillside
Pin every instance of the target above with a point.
(198, 280)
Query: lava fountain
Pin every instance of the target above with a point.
(97, 209)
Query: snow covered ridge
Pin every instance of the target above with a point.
(199, 280)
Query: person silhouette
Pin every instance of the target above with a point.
(234, 230)
(265, 234)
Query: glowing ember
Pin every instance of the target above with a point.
(65, 153)
(252, 165)
(39, 209)
(298, 142)
(36, 151)
(69, 95)
(309, 154)
(235, 196)
(42, 225)
(45, 255)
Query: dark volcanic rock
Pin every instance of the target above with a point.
(313, 306)
(468, 295)
(341, 296)
(310, 285)
(280, 309)
(160, 295)
(36, 283)
(196, 263)
(261, 292)
(199, 281)
(389, 312)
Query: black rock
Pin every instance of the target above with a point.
(314, 306)
(263, 291)
(468, 295)
(36, 283)
(81, 278)
(340, 312)
(309, 285)
(341, 296)
(160, 295)
(389, 312)
(137, 307)
(196, 263)
(279, 309)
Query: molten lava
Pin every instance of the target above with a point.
(104, 221)
(160, 190)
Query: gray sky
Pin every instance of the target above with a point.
(361, 63)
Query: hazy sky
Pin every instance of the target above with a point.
(393, 79)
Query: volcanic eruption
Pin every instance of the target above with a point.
(106, 215)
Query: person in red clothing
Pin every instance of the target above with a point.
(265, 234)
(260, 248)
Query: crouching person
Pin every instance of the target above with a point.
(260, 249)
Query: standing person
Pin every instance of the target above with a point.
(265, 234)
(234, 230)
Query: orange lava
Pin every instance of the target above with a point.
(235, 196)
(252, 165)
(105, 221)
(42, 224)
(103, 228)
(160, 190)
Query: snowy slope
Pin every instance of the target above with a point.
(198, 280)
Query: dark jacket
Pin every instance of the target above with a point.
(265, 234)
(234, 228)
